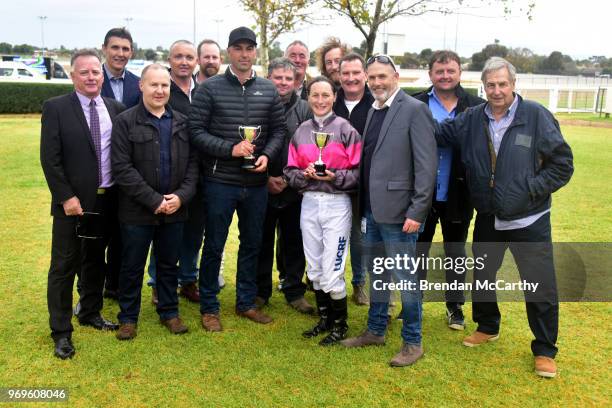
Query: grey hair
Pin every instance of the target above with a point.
(296, 42)
(281, 62)
(495, 64)
(86, 52)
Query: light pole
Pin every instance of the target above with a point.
(128, 20)
(42, 32)
(218, 21)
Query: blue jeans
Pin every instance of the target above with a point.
(388, 240)
(136, 241)
(221, 200)
(193, 233)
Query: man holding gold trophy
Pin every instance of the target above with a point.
(237, 122)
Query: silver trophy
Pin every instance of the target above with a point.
(249, 133)
(321, 140)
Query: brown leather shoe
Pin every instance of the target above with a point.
(367, 338)
(255, 315)
(175, 325)
(211, 322)
(545, 367)
(302, 306)
(191, 292)
(408, 355)
(154, 299)
(477, 338)
(360, 298)
(127, 331)
(260, 302)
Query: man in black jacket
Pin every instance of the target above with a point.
(221, 109)
(515, 158)
(353, 103)
(157, 174)
(182, 60)
(284, 203)
(75, 146)
(451, 201)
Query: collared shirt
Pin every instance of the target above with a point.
(320, 120)
(497, 129)
(116, 83)
(252, 73)
(106, 127)
(387, 103)
(164, 127)
(445, 154)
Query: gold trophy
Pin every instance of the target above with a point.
(249, 133)
(321, 140)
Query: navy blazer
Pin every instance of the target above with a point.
(131, 89)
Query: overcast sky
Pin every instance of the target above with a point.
(577, 28)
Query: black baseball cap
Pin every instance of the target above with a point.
(242, 34)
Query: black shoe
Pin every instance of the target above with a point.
(323, 307)
(111, 294)
(339, 314)
(456, 320)
(77, 309)
(99, 323)
(64, 348)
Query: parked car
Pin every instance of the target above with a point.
(18, 71)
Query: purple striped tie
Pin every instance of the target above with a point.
(96, 135)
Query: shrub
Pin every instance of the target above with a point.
(25, 97)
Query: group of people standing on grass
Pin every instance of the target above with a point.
(313, 167)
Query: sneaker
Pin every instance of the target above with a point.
(360, 297)
(302, 306)
(456, 320)
(211, 322)
(408, 355)
(127, 331)
(367, 338)
(545, 367)
(477, 338)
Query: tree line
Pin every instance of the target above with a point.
(525, 60)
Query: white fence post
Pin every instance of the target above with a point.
(570, 100)
(553, 99)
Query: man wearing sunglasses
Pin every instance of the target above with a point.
(396, 184)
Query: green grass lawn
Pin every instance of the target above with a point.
(252, 365)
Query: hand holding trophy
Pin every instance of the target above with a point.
(321, 140)
(249, 133)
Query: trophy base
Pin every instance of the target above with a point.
(248, 163)
(320, 170)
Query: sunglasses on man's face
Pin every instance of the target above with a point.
(383, 59)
